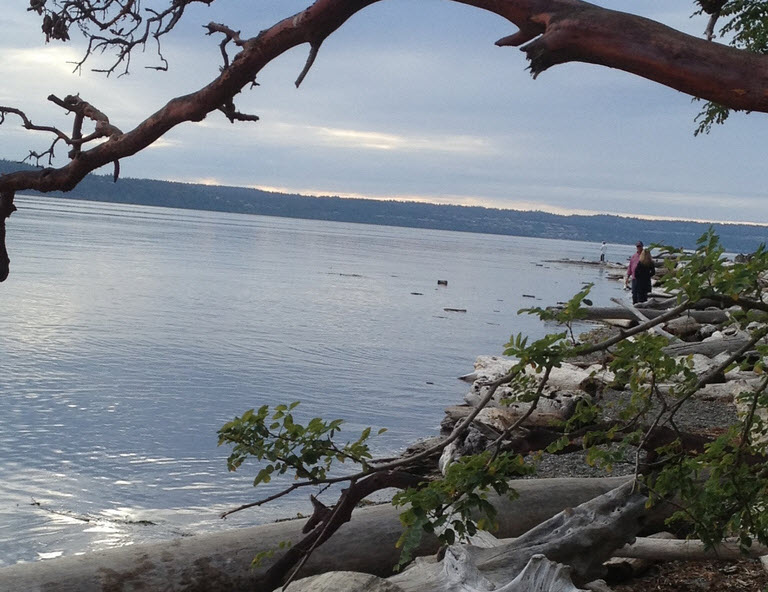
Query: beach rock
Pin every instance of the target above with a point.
(715, 336)
(683, 326)
(489, 368)
(548, 412)
(732, 331)
(726, 391)
(739, 374)
(701, 363)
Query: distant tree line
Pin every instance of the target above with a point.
(613, 229)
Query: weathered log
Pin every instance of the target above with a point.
(727, 391)
(707, 348)
(643, 318)
(563, 381)
(597, 313)
(222, 561)
(656, 549)
(624, 568)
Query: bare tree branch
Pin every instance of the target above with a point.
(6, 209)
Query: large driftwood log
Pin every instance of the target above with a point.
(222, 561)
(339, 581)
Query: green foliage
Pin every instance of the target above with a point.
(711, 114)
(746, 23)
(269, 553)
(693, 275)
(703, 274)
(455, 507)
(746, 27)
(283, 445)
(567, 315)
(721, 494)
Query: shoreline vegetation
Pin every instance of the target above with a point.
(737, 238)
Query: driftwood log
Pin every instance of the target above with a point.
(708, 348)
(642, 317)
(597, 313)
(658, 549)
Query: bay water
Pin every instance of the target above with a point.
(130, 334)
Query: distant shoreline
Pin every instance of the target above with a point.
(736, 238)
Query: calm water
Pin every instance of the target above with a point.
(130, 334)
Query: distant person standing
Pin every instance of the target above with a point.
(633, 261)
(644, 271)
(603, 251)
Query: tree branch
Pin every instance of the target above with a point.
(6, 209)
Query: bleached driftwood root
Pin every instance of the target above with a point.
(581, 538)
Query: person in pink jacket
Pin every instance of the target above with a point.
(633, 261)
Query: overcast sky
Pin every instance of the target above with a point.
(411, 100)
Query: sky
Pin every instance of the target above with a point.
(410, 100)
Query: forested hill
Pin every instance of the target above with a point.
(613, 229)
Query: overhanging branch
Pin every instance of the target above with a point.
(550, 32)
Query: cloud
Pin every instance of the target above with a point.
(271, 131)
(368, 140)
(52, 58)
(164, 143)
